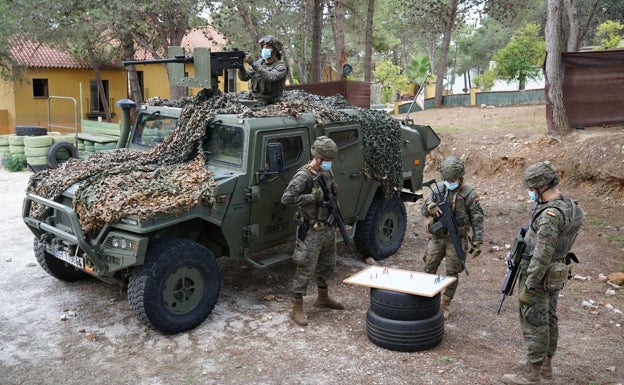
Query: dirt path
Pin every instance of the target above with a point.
(58, 333)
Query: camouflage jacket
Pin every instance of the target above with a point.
(551, 234)
(298, 191)
(464, 203)
(267, 80)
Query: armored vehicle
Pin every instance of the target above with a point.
(166, 251)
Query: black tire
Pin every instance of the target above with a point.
(405, 336)
(30, 130)
(177, 287)
(381, 233)
(56, 147)
(57, 268)
(402, 306)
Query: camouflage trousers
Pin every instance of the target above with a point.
(316, 256)
(437, 249)
(538, 322)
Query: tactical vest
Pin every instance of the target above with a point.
(573, 219)
(313, 212)
(458, 200)
(266, 89)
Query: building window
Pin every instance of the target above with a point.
(96, 103)
(40, 88)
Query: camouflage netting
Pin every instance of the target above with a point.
(171, 178)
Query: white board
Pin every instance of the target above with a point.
(403, 281)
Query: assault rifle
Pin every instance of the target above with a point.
(513, 262)
(447, 220)
(334, 211)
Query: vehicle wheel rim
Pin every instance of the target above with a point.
(387, 228)
(183, 290)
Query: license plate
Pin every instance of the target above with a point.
(71, 259)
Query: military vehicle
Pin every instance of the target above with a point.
(168, 261)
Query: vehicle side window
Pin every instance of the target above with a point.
(153, 131)
(344, 137)
(225, 144)
(292, 147)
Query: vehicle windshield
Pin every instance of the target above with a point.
(224, 144)
(153, 128)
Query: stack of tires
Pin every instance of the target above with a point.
(36, 150)
(404, 322)
(4, 147)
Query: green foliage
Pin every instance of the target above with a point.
(485, 81)
(523, 56)
(418, 68)
(14, 162)
(391, 78)
(446, 359)
(609, 34)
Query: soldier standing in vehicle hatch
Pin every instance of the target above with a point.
(267, 75)
(315, 250)
(553, 227)
(464, 203)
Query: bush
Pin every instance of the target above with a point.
(485, 81)
(14, 162)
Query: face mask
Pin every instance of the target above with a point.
(326, 165)
(266, 53)
(533, 196)
(451, 186)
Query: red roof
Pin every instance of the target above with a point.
(29, 54)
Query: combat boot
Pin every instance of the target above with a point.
(546, 371)
(446, 306)
(324, 301)
(297, 313)
(529, 375)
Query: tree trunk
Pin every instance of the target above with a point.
(444, 50)
(100, 85)
(556, 117)
(575, 29)
(368, 42)
(133, 79)
(317, 31)
(339, 38)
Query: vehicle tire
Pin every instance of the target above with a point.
(55, 148)
(30, 131)
(57, 268)
(403, 306)
(381, 233)
(177, 287)
(404, 336)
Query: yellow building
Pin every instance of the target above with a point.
(53, 80)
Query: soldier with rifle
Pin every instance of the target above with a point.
(553, 227)
(268, 74)
(315, 249)
(455, 222)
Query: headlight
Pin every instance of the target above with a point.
(122, 243)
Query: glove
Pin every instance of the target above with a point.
(317, 194)
(248, 59)
(433, 209)
(476, 249)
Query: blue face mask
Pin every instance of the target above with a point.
(533, 196)
(451, 186)
(266, 53)
(326, 165)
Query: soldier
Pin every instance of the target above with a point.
(315, 250)
(553, 226)
(464, 203)
(268, 75)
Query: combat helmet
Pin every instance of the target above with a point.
(452, 168)
(271, 40)
(324, 147)
(540, 174)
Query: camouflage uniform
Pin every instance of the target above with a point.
(315, 250)
(552, 229)
(464, 203)
(317, 253)
(267, 79)
(543, 273)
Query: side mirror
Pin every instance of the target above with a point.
(274, 165)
